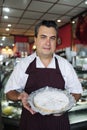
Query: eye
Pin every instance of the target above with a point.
(53, 38)
(43, 36)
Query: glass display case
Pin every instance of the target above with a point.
(9, 111)
(78, 114)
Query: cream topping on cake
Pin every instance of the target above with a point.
(51, 101)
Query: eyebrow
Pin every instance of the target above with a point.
(47, 36)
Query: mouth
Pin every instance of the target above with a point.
(46, 48)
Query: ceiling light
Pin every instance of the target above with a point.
(6, 9)
(3, 38)
(12, 44)
(86, 2)
(73, 22)
(7, 29)
(58, 20)
(5, 17)
(9, 25)
(1, 44)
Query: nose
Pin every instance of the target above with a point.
(48, 41)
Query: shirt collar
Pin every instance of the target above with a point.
(39, 64)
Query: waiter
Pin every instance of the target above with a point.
(42, 68)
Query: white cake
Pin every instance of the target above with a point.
(51, 101)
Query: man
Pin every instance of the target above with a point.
(42, 68)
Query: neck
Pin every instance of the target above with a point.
(45, 60)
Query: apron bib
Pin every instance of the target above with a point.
(39, 78)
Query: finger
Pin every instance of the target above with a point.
(29, 109)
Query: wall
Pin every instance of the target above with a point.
(65, 33)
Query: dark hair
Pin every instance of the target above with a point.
(47, 23)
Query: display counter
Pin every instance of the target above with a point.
(77, 115)
(78, 120)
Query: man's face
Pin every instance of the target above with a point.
(46, 41)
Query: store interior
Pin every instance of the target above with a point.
(17, 21)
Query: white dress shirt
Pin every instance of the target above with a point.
(18, 77)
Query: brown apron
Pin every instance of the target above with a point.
(39, 78)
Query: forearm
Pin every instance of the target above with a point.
(13, 95)
(76, 96)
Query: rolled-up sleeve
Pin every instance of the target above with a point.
(17, 79)
(72, 82)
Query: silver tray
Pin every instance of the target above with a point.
(72, 101)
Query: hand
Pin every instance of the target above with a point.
(23, 97)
